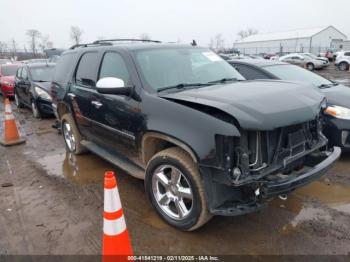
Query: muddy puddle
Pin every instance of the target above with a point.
(83, 169)
(334, 196)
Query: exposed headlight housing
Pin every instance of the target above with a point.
(43, 94)
(338, 112)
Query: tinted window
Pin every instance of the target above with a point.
(9, 70)
(19, 73)
(295, 73)
(250, 73)
(347, 54)
(24, 73)
(86, 72)
(113, 65)
(63, 68)
(43, 74)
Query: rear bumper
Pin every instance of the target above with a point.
(284, 186)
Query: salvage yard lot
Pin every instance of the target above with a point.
(56, 202)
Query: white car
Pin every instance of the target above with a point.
(303, 61)
(343, 61)
(325, 60)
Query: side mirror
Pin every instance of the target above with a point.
(113, 86)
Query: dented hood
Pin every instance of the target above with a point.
(258, 105)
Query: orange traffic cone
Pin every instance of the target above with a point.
(11, 135)
(116, 242)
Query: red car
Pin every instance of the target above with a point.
(7, 79)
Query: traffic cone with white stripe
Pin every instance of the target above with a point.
(116, 240)
(10, 132)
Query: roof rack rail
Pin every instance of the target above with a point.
(125, 40)
(88, 44)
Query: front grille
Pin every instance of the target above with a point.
(281, 145)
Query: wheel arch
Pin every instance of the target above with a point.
(154, 142)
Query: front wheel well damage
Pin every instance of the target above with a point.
(152, 143)
(62, 109)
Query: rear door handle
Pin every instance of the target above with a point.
(97, 104)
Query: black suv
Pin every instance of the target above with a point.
(181, 118)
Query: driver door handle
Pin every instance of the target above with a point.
(97, 104)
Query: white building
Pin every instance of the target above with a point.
(314, 40)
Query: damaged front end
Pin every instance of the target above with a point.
(260, 165)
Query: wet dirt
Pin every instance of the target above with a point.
(56, 202)
(333, 73)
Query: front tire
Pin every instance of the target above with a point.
(175, 189)
(35, 110)
(310, 66)
(71, 135)
(343, 66)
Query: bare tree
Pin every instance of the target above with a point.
(14, 47)
(75, 34)
(33, 35)
(44, 42)
(248, 32)
(145, 36)
(219, 42)
(3, 47)
(49, 44)
(211, 43)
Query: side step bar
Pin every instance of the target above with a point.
(114, 159)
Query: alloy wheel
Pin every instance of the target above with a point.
(69, 136)
(17, 101)
(35, 110)
(172, 192)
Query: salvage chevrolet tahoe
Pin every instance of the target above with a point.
(205, 141)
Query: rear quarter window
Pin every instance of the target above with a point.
(250, 73)
(63, 68)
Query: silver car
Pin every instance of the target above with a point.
(324, 60)
(303, 61)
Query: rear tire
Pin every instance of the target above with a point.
(71, 135)
(343, 66)
(169, 174)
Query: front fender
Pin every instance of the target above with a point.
(192, 127)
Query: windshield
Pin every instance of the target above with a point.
(9, 70)
(42, 74)
(296, 73)
(162, 68)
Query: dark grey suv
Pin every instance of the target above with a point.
(205, 141)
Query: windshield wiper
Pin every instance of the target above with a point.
(224, 80)
(181, 86)
(40, 81)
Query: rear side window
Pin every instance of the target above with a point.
(86, 71)
(19, 71)
(113, 65)
(24, 73)
(250, 73)
(347, 54)
(63, 68)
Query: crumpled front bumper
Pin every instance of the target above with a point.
(284, 186)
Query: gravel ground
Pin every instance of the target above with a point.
(55, 207)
